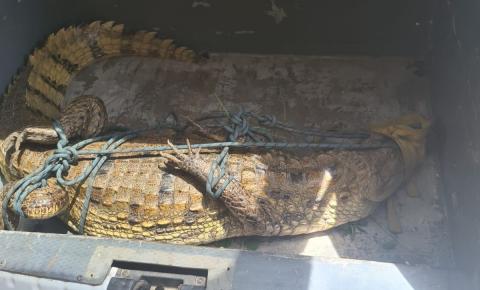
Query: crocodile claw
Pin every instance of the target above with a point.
(178, 157)
(191, 151)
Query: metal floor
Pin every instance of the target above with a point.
(321, 92)
(78, 262)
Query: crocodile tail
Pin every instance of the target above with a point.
(73, 48)
(409, 132)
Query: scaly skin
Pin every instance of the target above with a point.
(274, 193)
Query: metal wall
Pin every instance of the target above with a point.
(24, 24)
(456, 100)
(373, 27)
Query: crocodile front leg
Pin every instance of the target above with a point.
(256, 213)
(84, 117)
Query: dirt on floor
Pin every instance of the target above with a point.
(319, 92)
(313, 92)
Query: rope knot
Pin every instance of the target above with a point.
(68, 153)
(64, 158)
(239, 126)
(267, 120)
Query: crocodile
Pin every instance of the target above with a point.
(161, 196)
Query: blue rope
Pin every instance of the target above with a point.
(58, 164)
(244, 145)
(270, 121)
(111, 144)
(239, 128)
(212, 180)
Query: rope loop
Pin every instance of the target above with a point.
(216, 173)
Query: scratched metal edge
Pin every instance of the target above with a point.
(88, 260)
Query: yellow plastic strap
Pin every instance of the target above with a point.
(409, 132)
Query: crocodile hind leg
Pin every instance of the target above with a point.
(256, 213)
(84, 117)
